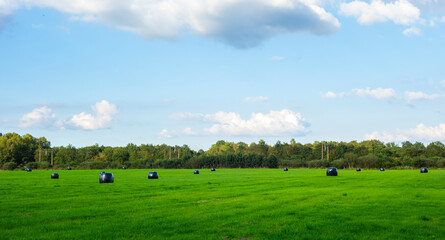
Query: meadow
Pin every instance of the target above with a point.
(225, 204)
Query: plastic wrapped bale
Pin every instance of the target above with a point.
(358, 169)
(28, 169)
(332, 171)
(124, 167)
(54, 175)
(423, 170)
(153, 175)
(68, 168)
(106, 178)
(286, 169)
(382, 169)
(196, 172)
(213, 169)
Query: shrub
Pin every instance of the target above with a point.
(93, 165)
(9, 166)
(339, 163)
(32, 165)
(44, 165)
(316, 163)
(440, 163)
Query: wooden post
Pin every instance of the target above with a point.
(40, 154)
(52, 159)
(328, 152)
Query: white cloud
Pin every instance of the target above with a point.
(284, 122)
(189, 131)
(412, 31)
(277, 58)
(165, 134)
(399, 12)
(330, 94)
(240, 23)
(104, 112)
(442, 83)
(42, 116)
(378, 93)
(412, 96)
(420, 132)
(256, 99)
(275, 123)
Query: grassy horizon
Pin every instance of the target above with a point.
(225, 204)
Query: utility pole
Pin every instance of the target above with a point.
(52, 159)
(40, 154)
(322, 150)
(178, 152)
(328, 152)
(170, 153)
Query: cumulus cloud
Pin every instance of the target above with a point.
(104, 112)
(42, 116)
(256, 99)
(241, 23)
(274, 123)
(399, 12)
(378, 93)
(330, 94)
(420, 132)
(412, 31)
(412, 96)
(165, 134)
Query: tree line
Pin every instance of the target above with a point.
(18, 151)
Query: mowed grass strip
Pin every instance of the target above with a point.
(225, 204)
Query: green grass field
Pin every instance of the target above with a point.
(226, 204)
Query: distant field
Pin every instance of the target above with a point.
(226, 204)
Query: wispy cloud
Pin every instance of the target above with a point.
(330, 94)
(256, 99)
(378, 93)
(277, 58)
(413, 96)
(412, 31)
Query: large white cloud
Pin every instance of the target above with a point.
(420, 132)
(43, 117)
(241, 23)
(379, 93)
(274, 123)
(399, 12)
(104, 112)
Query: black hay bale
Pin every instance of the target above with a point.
(68, 168)
(124, 167)
(286, 169)
(382, 169)
(153, 175)
(213, 169)
(106, 178)
(54, 175)
(358, 169)
(196, 172)
(423, 170)
(28, 169)
(332, 171)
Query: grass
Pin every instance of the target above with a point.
(226, 204)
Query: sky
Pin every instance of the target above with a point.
(113, 72)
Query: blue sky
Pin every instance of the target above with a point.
(194, 72)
